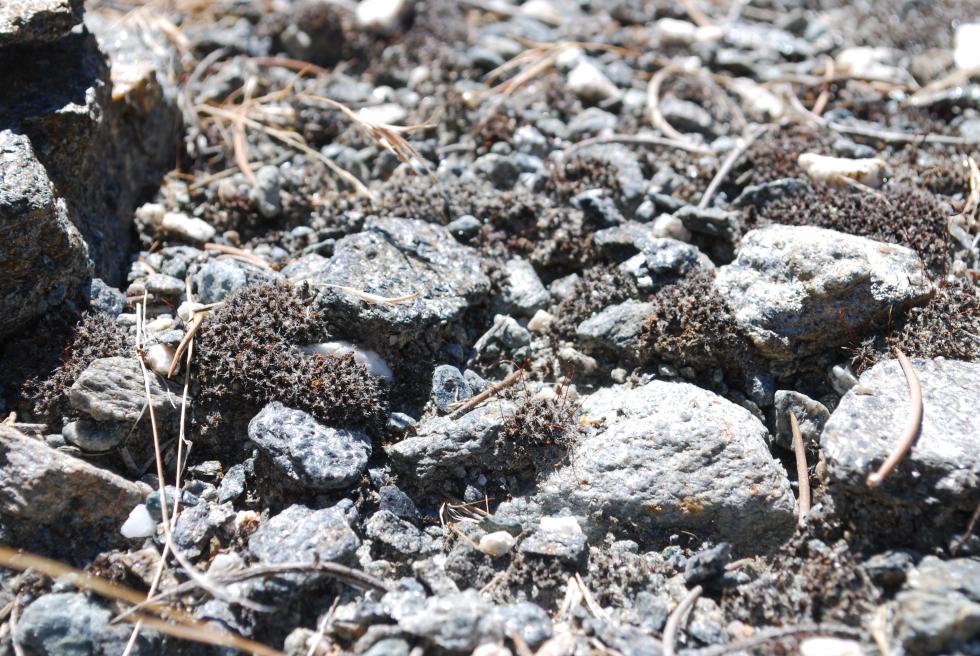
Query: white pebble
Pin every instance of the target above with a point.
(389, 113)
(497, 544)
(668, 225)
(870, 171)
(187, 309)
(676, 32)
(540, 321)
(151, 213)
(159, 325)
(589, 83)
(821, 646)
(842, 379)
(492, 649)
(373, 362)
(561, 526)
(187, 227)
(139, 524)
(159, 358)
(966, 46)
(543, 11)
(380, 15)
(761, 103)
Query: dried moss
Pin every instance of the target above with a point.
(599, 287)
(96, 336)
(539, 434)
(248, 355)
(948, 326)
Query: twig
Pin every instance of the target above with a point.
(674, 621)
(879, 624)
(728, 164)
(196, 322)
(491, 390)
(590, 602)
(802, 473)
(640, 139)
(692, 10)
(911, 431)
(653, 105)
(966, 534)
(824, 96)
(251, 258)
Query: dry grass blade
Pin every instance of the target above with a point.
(968, 215)
(967, 533)
(375, 298)
(653, 105)
(240, 254)
(802, 472)
(674, 621)
(185, 342)
(911, 431)
(728, 164)
(642, 140)
(821, 102)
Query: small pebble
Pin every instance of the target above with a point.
(139, 524)
(181, 225)
(497, 544)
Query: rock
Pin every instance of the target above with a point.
(456, 623)
(448, 387)
(931, 494)
(45, 487)
(139, 524)
(664, 261)
(163, 285)
(105, 299)
(811, 416)
(527, 620)
(870, 172)
(616, 328)
(687, 116)
(189, 228)
(307, 452)
(497, 544)
(160, 357)
(43, 257)
(966, 46)
(559, 537)
(74, 624)
(890, 568)
(381, 15)
(299, 534)
(465, 227)
(219, 278)
(37, 21)
(710, 221)
(672, 456)
(675, 32)
(524, 293)
(396, 258)
(112, 390)
(371, 360)
(938, 612)
(797, 290)
(506, 339)
(760, 194)
(398, 537)
(92, 436)
(824, 646)
(266, 192)
(198, 524)
(707, 564)
(392, 499)
(599, 206)
(589, 83)
(442, 446)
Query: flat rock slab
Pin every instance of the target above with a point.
(669, 457)
(112, 389)
(395, 258)
(797, 290)
(307, 452)
(932, 492)
(37, 21)
(44, 486)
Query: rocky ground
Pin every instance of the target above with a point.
(437, 327)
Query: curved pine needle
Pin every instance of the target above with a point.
(674, 621)
(911, 431)
(802, 473)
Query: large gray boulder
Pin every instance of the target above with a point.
(307, 452)
(670, 457)
(928, 499)
(797, 290)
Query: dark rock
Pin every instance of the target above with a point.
(527, 620)
(938, 612)
(465, 227)
(396, 537)
(889, 569)
(707, 564)
(710, 221)
(94, 437)
(105, 299)
(232, 484)
(448, 387)
(197, 524)
(306, 451)
(760, 194)
(811, 416)
(455, 623)
(599, 206)
(616, 328)
(393, 500)
(299, 534)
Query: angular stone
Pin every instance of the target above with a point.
(811, 416)
(617, 327)
(396, 258)
(457, 623)
(524, 293)
(112, 389)
(299, 534)
(929, 497)
(37, 21)
(797, 290)
(669, 457)
(311, 454)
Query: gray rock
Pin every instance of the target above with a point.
(524, 294)
(392, 499)
(43, 258)
(797, 290)
(394, 258)
(217, 279)
(506, 339)
(395, 535)
(672, 456)
(938, 612)
(599, 206)
(527, 620)
(105, 299)
(617, 327)
(46, 487)
(311, 454)
(590, 122)
(92, 436)
(197, 524)
(443, 446)
(932, 492)
(37, 21)
(663, 261)
(74, 624)
(711, 221)
(760, 194)
(464, 227)
(890, 568)
(811, 416)
(266, 192)
(456, 623)
(558, 537)
(112, 390)
(501, 170)
(631, 184)
(163, 285)
(299, 534)
(389, 647)
(449, 387)
(232, 484)
(687, 116)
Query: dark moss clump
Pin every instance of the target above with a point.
(692, 326)
(539, 434)
(906, 216)
(96, 336)
(248, 355)
(948, 326)
(599, 287)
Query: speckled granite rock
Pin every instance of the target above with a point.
(930, 495)
(797, 290)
